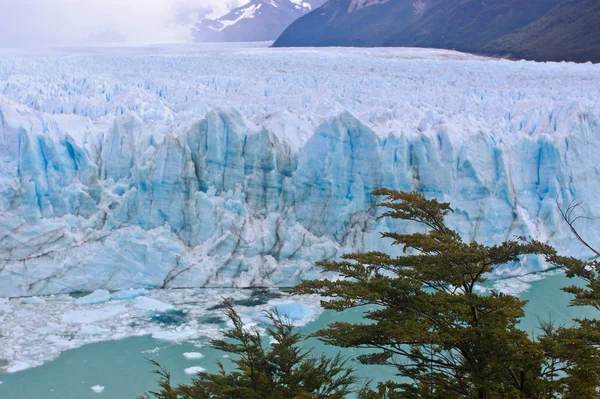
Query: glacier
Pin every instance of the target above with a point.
(238, 166)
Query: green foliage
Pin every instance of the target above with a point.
(425, 317)
(447, 340)
(282, 371)
(587, 271)
(573, 360)
(575, 350)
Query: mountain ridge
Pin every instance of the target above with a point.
(509, 28)
(256, 20)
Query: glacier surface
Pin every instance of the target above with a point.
(209, 166)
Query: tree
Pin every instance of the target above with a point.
(425, 317)
(281, 371)
(588, 271)
(574, 352)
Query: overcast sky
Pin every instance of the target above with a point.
(62, 22)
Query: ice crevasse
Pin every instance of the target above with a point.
(225, 201)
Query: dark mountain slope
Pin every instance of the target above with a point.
(570, 32)
(496, 27)
(337, 24)
(460, 24)
(472, 24)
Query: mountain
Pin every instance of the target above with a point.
(570, 31)
(497, 27)
(257, 20)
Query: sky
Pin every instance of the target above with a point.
(30, 23)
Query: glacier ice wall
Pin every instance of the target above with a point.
(116, 182)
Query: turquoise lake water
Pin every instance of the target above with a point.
(121, 367)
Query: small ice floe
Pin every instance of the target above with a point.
(96, 297)
(33, 300)
(93, 330)
(194, 370)
(98, 388)
(21, 314)
(153, 350)
(126, 295)
(174, 336)
(145, 303)
(18, 366)
(294, 311)
(92, 315)
(193, 355)
(517, 285)
(170, 317)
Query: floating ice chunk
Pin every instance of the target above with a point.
(193, 355)
(98, 296)
(174, 336)
(49, 328)
(33, 300)
(517, 285)
(98, 388)
(93, 330)
(194, 370)
(92, 315)
(21, 314)
(294, 311)
(1, 382)
(128, 294)
(142, 302)
(18, 366)
(170, 317)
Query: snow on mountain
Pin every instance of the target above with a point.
(201, 166)
(257, 20)
(356, 5)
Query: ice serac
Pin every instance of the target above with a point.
(228, 204)
(122, 183)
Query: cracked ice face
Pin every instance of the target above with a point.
(211, 167)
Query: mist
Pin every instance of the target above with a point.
(26, 23)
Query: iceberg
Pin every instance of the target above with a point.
(199, 178)
(92, 315)
(194, 370)
(34, 300)
(294, 311)
(96, 297)
(129, 294)
(97, 388)
(93, 330)
(193, 355)
(145, 303)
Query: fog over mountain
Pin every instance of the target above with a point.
(35, 23)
